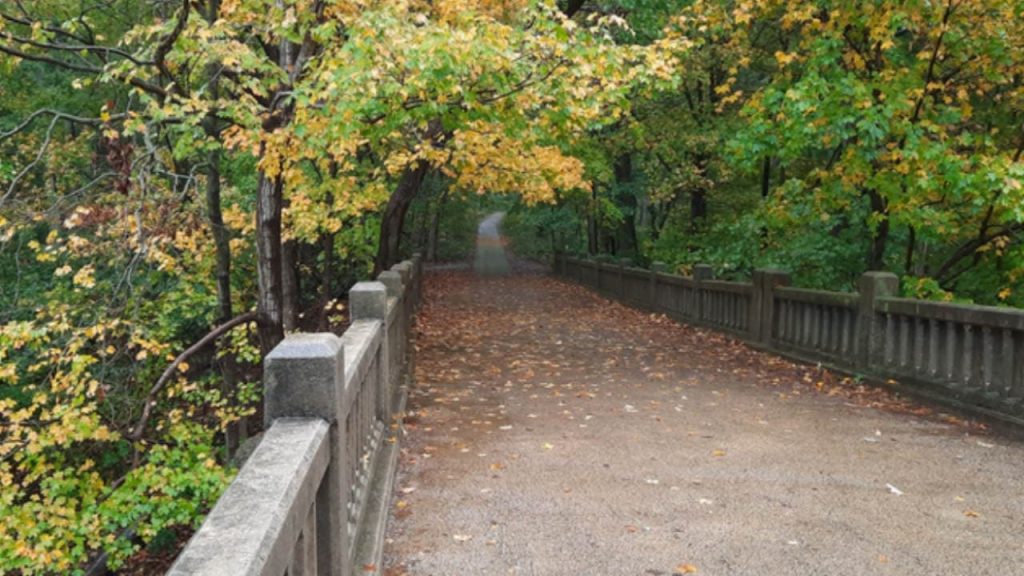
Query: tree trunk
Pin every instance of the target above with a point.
(221, 237)
(908, 264)
(268, 264)
(394, 216)
(766, 177)
(435, 226)
(876, 254)
(699, 197)
(289, 286)
(326, 276)
(593, 234)
(572, 7)
(627, 229)
(234, 433)
(698, 208)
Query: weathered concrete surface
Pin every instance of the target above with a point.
(253, 529)
(490, 254)
(553, 432)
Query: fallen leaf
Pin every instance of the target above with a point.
(686, 569)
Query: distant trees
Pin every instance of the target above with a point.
(828, 137)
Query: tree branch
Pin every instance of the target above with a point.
(172, 369)
(96, 71)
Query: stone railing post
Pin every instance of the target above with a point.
(417, 284)
(656, 268)
(405, 269)
(702, 273)
(304, 377)
(623, 264)
(762, 309)
(369, 301)
(870, 342)
(392, 281)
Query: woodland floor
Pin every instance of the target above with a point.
(553, 432)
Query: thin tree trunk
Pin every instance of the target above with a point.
(766, 176)
(908, 264)
(326, 276)
(236, 432)
(394, 216)
(698, 208)
(593, 228)
(435, 226)
(627, 230)
(289, 286)
(876, 254)
(268, 249)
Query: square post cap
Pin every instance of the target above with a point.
(303, 377)
(392, 280)
(368, 301)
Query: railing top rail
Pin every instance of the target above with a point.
(725, 286)
(257, 521)
(636, 272)
(675, 279)
(990, 316)
(823, 297)
(361, 341)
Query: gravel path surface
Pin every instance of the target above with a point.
(553, 432)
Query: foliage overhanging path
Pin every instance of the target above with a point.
(555, 432)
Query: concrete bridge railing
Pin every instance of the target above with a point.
(968, 355)
(312, 497)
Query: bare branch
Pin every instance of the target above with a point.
(105, 51)
(57, 114)
(172, 368)
(94, 70)
(28, 168)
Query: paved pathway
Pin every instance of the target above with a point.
(553, 432)
(490, 256)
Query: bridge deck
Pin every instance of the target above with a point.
(554, 432)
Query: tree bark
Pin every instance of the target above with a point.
(593, 239)
(876, 254)
(627, 230)
(908, 264)
(698, 208)
(326, 276)
(393, 218)
(766, 177)
(268, 264)
(435, 225)
(289, 286)
(235, 432)
(572, 7)
(221, 238)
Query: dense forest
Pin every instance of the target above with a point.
(182, 182)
